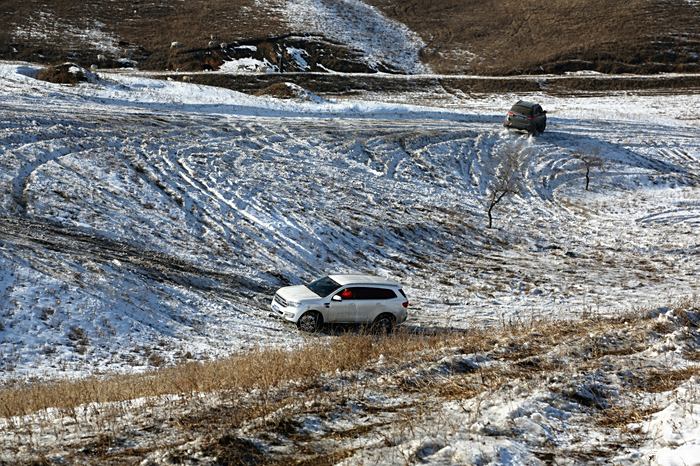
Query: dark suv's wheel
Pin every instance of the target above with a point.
(384, 324)
(310, 322)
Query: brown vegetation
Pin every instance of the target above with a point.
(335, 84)
(260, 369)
(552, 36)
(145, 30)
(62, 74)
(270, 390)
(491, 37)
(264, 369)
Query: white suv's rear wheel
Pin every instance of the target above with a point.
(384, 324)
(310, 322)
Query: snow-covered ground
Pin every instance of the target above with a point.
(145, 222)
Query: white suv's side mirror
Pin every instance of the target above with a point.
(337, 298)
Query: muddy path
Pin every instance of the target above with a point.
(44, 234)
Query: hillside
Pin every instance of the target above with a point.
(147, 222)
(445, 36)
(553, 36)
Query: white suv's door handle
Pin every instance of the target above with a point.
(327, 304)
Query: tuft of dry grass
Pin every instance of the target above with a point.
(60, 74)
(620, 417)
(261, 369)
(661, 381)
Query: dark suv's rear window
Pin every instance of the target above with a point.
(362, 292)
(521, 109)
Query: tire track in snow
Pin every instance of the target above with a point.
(20, 183)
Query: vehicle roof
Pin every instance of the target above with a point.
(525, 103)
(362, 279)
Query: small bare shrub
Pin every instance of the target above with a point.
(506, 178)
(589, 162)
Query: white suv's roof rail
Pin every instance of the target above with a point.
(361, 279)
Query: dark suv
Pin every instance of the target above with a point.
(527, 116)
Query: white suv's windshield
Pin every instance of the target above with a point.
(323, 286)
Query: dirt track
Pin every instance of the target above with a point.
(348, 84)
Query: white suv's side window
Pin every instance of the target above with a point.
(370, 293)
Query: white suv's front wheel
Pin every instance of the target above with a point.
(310, 322)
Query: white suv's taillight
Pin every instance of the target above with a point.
(405, 304)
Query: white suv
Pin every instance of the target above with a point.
(357, 299)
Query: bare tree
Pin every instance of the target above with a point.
(589, 162)
(507, 179)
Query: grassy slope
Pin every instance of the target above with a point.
(146, 28)
(502, 37)
(511, 36)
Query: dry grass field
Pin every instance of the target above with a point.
(483, 37)
(510, 36)
(143, 31)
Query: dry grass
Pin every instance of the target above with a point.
(512, 36)
(620, 417)
(507, 36)
(60, 74)
(146, 29)
(262, 369)
(329, 376)
(268, 368)
(661, 381)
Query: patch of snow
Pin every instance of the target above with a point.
(298, 56)
(361, 26)
(249, 65)
(674, 432)
(583, 73)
